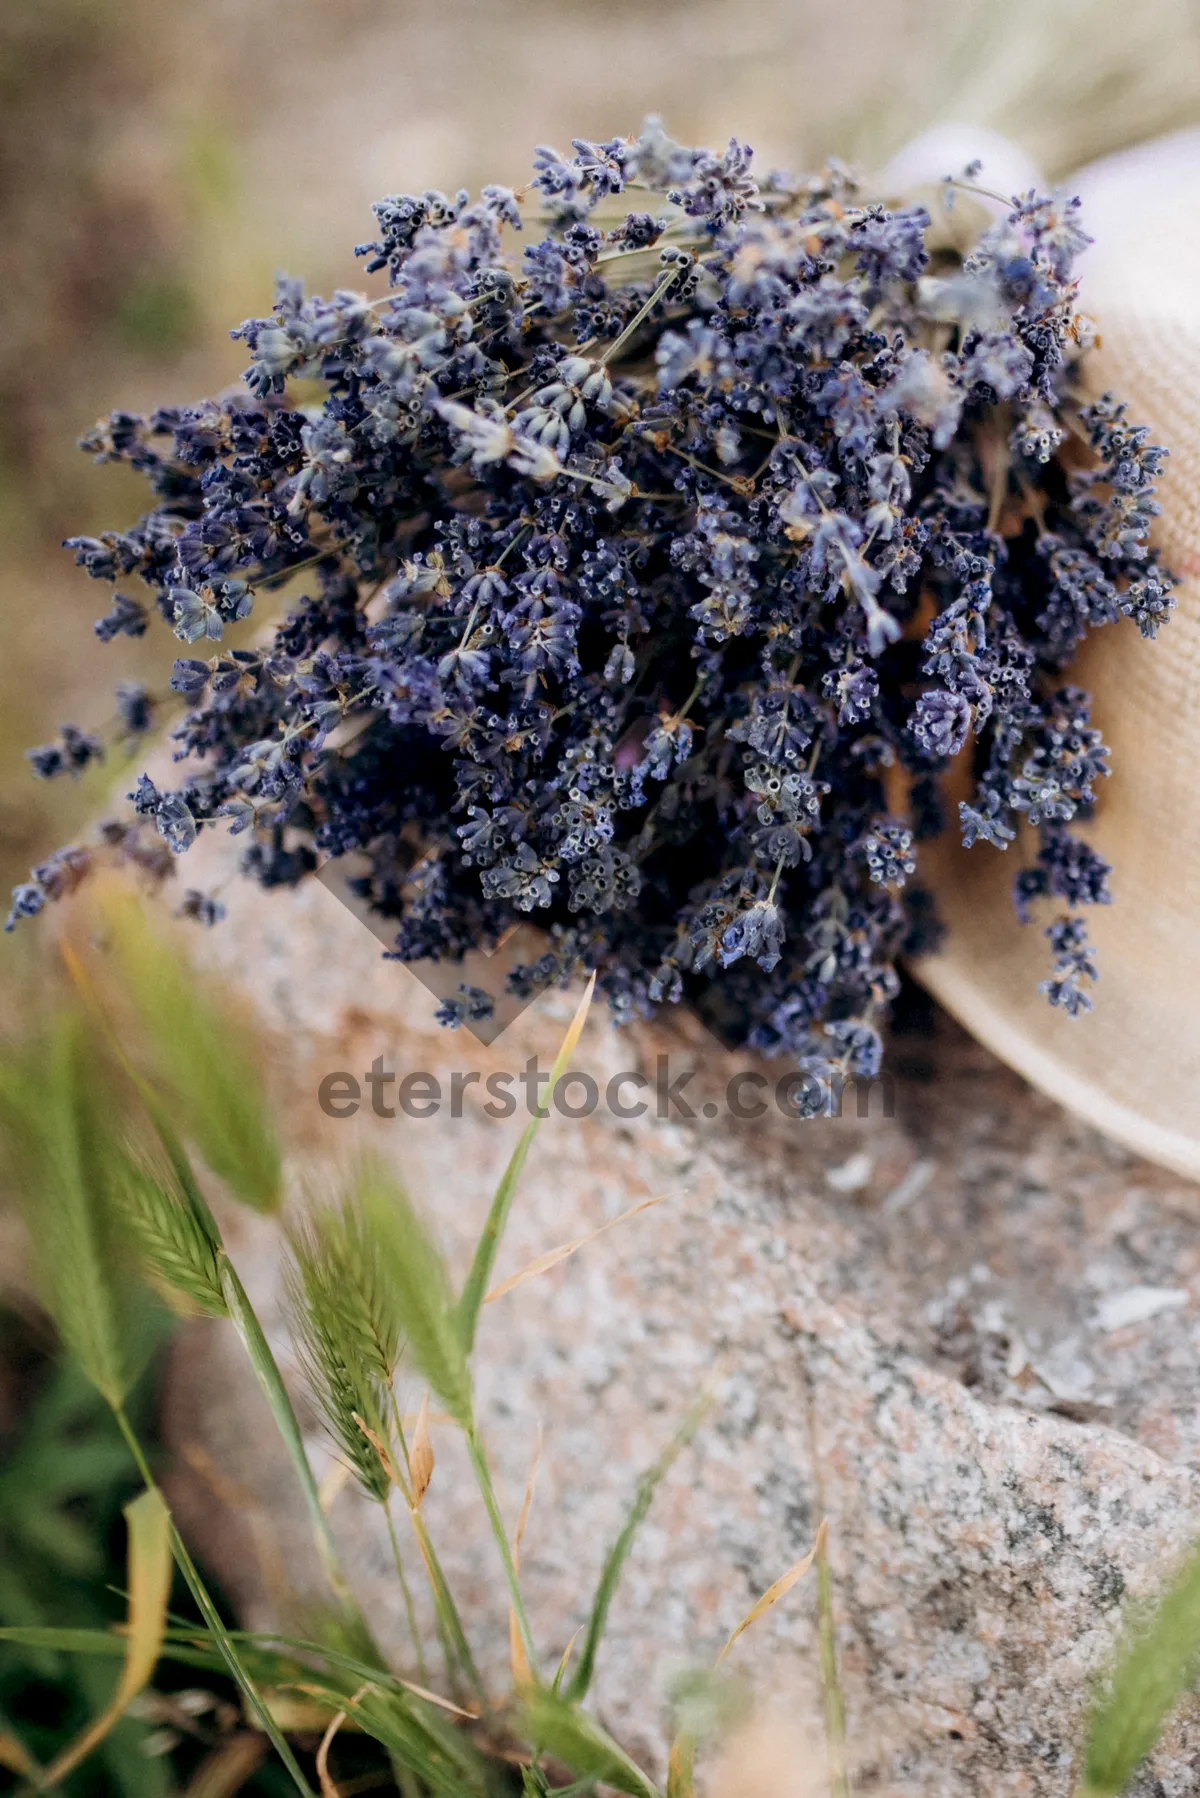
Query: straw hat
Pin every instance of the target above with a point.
(1132, 1066)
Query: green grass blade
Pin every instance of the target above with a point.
(233, 1663)
(176, 1251)
(377, 1320)
(487, 1490)
(291, 1652)
(619, 1552)
(181, 1167)
(270, 1380)
(148, 1524)
(450, 1626)
(65, 1641)
(215, 1624)
(426, 1744)
(152, 1102)
(200, 1055)
(1158, 1662)
(266, 1370)
(577, 1740)
(831, 1684)
(352, 1669)
(182, 1645)
(420, 1288)
(62, 1156)
(334, 1331)
(480, 1277)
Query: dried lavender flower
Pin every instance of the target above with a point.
(662, 567)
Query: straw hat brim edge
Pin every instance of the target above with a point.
(956, 991)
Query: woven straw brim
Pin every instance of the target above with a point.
(1131, 1066)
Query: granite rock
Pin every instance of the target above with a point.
(962, 1327)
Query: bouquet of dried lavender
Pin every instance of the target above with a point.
(655, 575)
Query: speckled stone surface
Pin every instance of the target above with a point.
(966, 1332)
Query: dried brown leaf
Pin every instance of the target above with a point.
(681, 1768)
(16, 1757)
(420, 1455)
(444, 1704)
(527, 1501)
(522, 1674)
(328, 1789)
(149, 1526)
(334, 1481)
(226, 1770)
(389, 1466)
(552, 1257)
(774, 1593)
(565, 1662)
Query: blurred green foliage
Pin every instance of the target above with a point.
(65, 1474)
(155, 316)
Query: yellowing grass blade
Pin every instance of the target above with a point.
(455, 1710)
(16, 1757)
(420, 1454)
(471, 1302)
(681, 1777)
(149, 1587)
(552, 1257)
(527, 1501)
(334, 1481)
(228, 1767)
(388, 1465)
(522, 1673)
(774, 1593)
(565, 1662)
(328, 1789)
